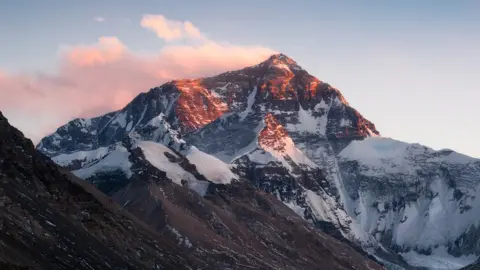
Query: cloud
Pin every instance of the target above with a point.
(107, 50)
(170, 30)
(99, 19)
(93, 79)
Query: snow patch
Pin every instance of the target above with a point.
(155, 154)
(438, 260)
(297, 156)
(115, 160)
(325, 208)
(280, 66)
(141, 117)
(129, 126)
(346, 123)
(307, 123)
(84, 157)
(120, 119)
(261, 157)
(160, 129)
(211, 167)
(181, 239)
(250, 102)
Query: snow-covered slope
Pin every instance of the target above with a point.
(211, 167)
(114, 164)
(166, 161)
(413, 199)
(107, 167)
(297, 138)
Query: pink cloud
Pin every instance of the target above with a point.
(107, 50)
(102, 77)
(170, 30)
(192, 31)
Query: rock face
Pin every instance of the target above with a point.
(295, 137)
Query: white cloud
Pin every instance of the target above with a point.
(170, 30)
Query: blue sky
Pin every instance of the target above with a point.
(408, 66)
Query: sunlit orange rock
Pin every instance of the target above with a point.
(272, 135)
(197, 106)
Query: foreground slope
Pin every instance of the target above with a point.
(297, 138)
(51, 220)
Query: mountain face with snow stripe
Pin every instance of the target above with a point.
(298, 139)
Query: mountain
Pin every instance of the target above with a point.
(50, 219)
(184, 106)
(283, 131)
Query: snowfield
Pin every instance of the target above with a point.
(211, 167)
(415, 197)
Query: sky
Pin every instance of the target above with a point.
(410, 67)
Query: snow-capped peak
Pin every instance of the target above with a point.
(283, 62)
(280, 57)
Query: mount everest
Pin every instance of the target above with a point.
(282, 131)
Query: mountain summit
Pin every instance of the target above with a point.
(295, 137)
(276, 85)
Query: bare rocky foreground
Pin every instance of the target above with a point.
(50, 219)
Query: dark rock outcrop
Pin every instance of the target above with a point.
(49, 219)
